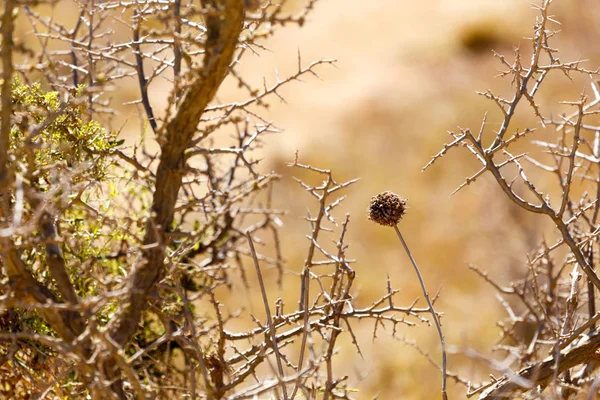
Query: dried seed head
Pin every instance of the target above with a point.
(387, 208)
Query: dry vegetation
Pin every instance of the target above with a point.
(549, 341)
(115, 259)
(130, 268)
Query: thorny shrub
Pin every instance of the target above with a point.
(549, 340)
(116, 258)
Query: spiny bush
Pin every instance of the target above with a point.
(117, 260)
(549, 339)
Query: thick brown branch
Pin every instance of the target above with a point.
(25, 287)
(223, 29)
(55, 260)
(542, 373)
(6, 113)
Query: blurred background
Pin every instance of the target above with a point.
(406, 73)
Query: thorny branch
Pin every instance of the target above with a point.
(116, 260)
(546, 297)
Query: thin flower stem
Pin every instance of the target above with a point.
(435, 317)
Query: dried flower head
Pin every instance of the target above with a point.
(387, 208)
